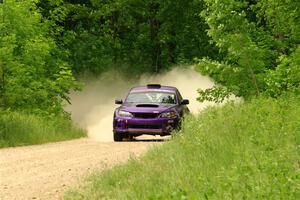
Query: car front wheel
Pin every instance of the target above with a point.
(118, 137)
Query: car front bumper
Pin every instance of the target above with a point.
(138, 126)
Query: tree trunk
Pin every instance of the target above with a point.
(2, 85)
(154, 30)
(114, 28)
(172, 48)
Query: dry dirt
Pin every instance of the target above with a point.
(47, 171)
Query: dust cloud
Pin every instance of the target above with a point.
(93, 107)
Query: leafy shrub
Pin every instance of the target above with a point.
(34, 73)
(286, 77)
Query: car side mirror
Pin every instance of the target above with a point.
(185, 102)
(118, 101)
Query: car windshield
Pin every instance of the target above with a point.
(152, 97)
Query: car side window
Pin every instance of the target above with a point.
(179, 97)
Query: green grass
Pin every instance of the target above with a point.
(245, 151)
(18, 129)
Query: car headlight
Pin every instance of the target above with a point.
(171, 114)
(122, 113)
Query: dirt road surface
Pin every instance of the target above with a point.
(47, 171)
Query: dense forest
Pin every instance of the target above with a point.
(45, 44)
(249, 47)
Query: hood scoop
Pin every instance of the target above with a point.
(147, 105)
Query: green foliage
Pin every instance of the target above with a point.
(135, 35)
(253, 37)
(286, 77)
(17, 129)
(34, 74)
(35, 78)
(239, 151)
(216, 94)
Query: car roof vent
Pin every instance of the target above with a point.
(148, 105)
(154, 86)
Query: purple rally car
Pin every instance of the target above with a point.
(151, 109)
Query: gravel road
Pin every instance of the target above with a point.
(47, 171)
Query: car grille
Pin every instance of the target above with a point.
(145, 115)
(145, 126)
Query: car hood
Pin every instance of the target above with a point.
(146, 108)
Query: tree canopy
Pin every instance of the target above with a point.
(248, 47)
(34, 72)
(260, 43)
(145, 35)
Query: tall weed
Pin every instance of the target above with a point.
(17, 129)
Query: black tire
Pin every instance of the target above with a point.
(118, 137)
(130, 137)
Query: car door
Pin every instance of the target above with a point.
(182, 109)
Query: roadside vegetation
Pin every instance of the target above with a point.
(18, 129)
(239, 151)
